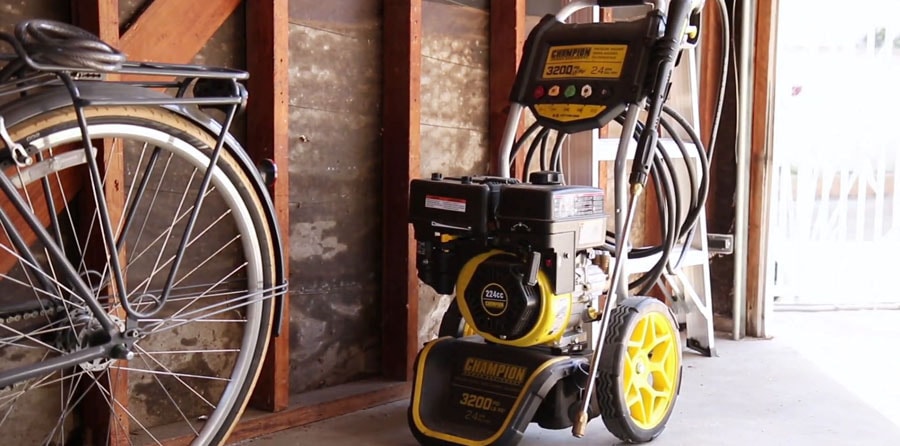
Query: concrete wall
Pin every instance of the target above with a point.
(335, 174)
(12, 12)
(336, 169)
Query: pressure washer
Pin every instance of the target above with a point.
(544, 327)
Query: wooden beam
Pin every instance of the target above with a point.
(401, 121)
(324, 407)
(100, 17)
(760, 165)
(175, 31)
(267, 127)
(62, 192)
(507, 36)
(108, 425)
(312, 407)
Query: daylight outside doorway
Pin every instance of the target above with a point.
(835, 220)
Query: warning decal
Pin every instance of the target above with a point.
(568, 112)
(585, 61)
(445, 203)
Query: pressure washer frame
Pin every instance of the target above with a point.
(679, 26)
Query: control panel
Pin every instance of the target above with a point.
(576, 77)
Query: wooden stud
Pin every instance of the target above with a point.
(71, 183)
(760, 165)
(316, 406)
(267, 127)
(101, 17)
(321, 408)
(175, 30)
(401, 121)
(507, 35)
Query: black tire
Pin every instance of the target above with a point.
(629, 379)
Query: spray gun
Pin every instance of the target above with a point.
(682, 24)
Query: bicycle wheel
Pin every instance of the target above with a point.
(198, 358)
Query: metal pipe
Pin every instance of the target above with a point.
(618, 275)
(509, 137)
(620, 179)
(571, 8)
(742, 188)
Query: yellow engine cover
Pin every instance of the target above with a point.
(552, 320)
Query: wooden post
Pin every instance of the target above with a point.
(267, 128)
(507, 35)
(175, 30)
(401, 120)
(104, 424)
(760, 166)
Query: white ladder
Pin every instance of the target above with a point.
(688, 287)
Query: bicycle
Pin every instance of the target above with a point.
(134, 308)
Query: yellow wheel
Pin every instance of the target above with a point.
(640, 370)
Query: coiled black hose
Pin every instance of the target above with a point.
(677, 218)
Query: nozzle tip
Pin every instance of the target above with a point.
(580, 425)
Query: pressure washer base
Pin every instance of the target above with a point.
(468, 392)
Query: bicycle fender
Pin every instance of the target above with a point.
(57, 97)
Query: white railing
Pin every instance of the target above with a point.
(835, 216)
(836, 230)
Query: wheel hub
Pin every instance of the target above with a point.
(82, 329)
(640, 368)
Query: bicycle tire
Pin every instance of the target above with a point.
(163, 401)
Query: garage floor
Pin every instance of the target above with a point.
(826, 379)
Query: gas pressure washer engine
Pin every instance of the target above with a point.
(540, 331)
(520, 257)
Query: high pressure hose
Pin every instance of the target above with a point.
(677, 219)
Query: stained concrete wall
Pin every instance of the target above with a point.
(336, 169)
(455, 50)
(335, 173)
(11, 12)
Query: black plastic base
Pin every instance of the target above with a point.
(467, 392)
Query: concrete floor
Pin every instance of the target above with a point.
(825, 379)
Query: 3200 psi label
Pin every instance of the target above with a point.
(585, 61)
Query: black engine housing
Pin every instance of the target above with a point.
(500, 301)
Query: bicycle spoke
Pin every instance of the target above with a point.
(157, 268)
(168, 232)
(170, 388)
(115, 404)
(76, 393)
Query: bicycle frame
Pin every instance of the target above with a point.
(213, 87)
